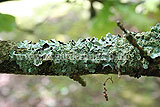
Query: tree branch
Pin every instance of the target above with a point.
(42, 58)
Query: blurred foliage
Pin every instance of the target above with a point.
(114, 10)
(140, 21)
(102, 24)
(65, 21)
(7, 22)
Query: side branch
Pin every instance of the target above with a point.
(133, 41)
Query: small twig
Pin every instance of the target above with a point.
(119, 72)
(105, 90)
(121, 27)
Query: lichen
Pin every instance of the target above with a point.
(150, 41)
(112, 50)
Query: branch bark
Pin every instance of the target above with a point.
(9, 65)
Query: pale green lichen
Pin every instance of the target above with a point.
(150, 41)
(114, 51)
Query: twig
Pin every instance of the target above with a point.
(105, 90)
(121, 27)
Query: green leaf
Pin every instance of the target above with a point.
(7, 22)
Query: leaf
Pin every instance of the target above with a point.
(7, 22)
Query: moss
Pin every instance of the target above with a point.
(5, 48)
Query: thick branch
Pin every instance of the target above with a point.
(116, 54)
